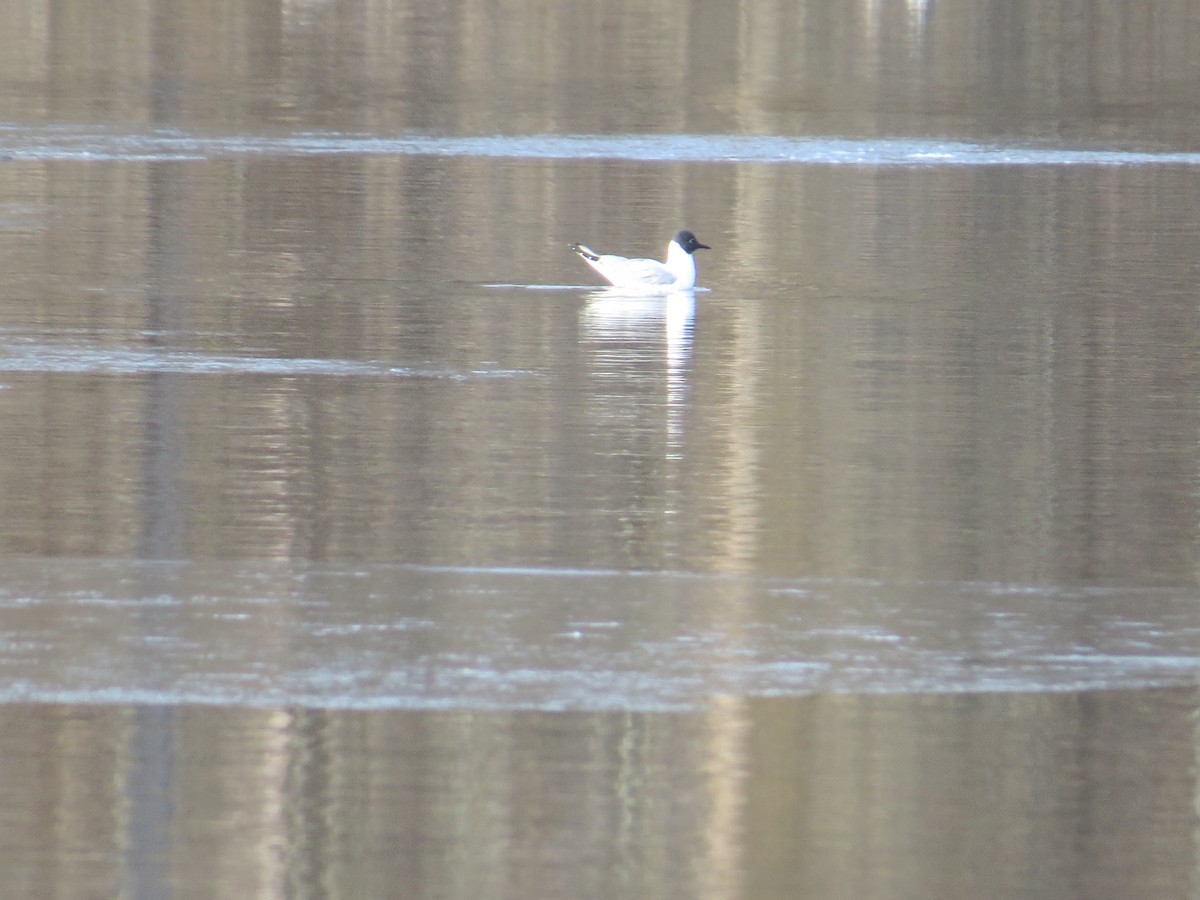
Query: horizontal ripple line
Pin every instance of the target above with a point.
(92, 144)
(41, 358)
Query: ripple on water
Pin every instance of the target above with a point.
(33, 357)
(419, 637)
(94, 143)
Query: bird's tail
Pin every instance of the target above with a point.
(586, 252)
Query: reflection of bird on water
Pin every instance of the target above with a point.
(678, 273)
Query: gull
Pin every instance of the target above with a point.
(678, 273)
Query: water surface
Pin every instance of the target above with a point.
(259, 634)
(987, 795)
(355, 544)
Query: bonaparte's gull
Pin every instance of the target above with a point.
(678, 273)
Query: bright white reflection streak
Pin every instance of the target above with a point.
(646, 321)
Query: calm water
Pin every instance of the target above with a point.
(354, 542)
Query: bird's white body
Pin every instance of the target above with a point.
(677, 273)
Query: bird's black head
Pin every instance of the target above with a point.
(688, 242)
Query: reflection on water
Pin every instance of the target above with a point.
(844, 68)
(630, 332)
(1001, 795)
(385, 562)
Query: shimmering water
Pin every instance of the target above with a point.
(94, 144)
(355, 543)
(423, 637)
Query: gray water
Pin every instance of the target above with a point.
(356, 542)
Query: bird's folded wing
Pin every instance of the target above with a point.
(636, 271)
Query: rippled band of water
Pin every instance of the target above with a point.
(80, 143)
(420, 637)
